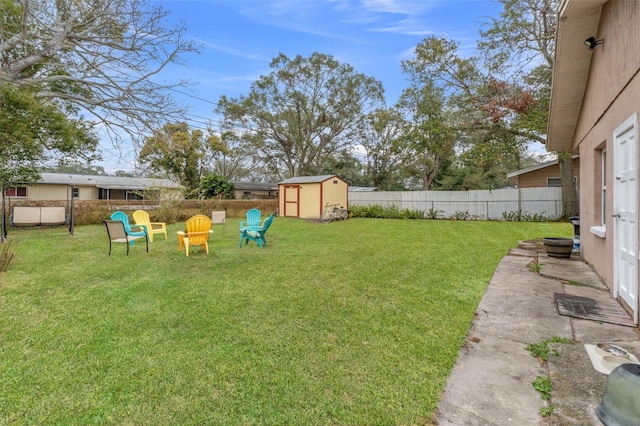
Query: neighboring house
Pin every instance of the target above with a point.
(543, 175)
(363, 188)
(60, 186)
(253, 190)
(595, 101)
(306, 196)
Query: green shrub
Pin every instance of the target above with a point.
(414, 214)
(91, 216)
(524, 216)
(169, 206)
(512, 216)
(461, 215)
(385, 212)
(434, 213)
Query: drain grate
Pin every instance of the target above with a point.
(606, 310)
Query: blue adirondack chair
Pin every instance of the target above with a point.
(256, 234)
(252, 222)
(137, 231)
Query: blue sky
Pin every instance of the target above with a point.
(239, 38)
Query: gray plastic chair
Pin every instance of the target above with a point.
(117, 234)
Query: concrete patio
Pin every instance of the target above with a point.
(491, 382)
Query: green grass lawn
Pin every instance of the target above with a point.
(349, 323)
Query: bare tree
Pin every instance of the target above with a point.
(304, 112)
(233, 158)
(97, 58)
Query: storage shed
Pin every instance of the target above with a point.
(306, 196)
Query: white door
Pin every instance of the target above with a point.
(625, 213)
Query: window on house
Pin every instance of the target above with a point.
(603, 193)
(599, 228)
(557, 182)
(15, 191)
(134, 195)
(76, 192)
(554, 182)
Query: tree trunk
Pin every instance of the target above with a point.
(431, 174)
(570, 204)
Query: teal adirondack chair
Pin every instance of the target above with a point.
(252, 222)
(140, 231)
(257, 233)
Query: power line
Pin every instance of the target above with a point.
(193, 96)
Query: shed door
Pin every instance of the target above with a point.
(625, 215)
(292, 200)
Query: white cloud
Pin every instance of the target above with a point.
(404, 7)
(409, 27)
(229, 50)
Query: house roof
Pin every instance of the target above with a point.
(362, 188)
(532, 168)
(577, 20)
(308, 179)
(256, 186)
(107, 182)
(536, 167)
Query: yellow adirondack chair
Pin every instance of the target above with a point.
(141, 217)
(196, 234)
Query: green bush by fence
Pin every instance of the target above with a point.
(385, 212)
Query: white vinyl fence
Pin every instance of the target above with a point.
(487, 204)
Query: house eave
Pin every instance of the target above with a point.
(532, 169)
(577, 20)
(107, 182)
(308, 179)
(544, 165)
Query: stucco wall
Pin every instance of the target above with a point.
(53, 192)
(611, 97)
(48, 192)
(613, 63)
(596, 250)
(44, 192)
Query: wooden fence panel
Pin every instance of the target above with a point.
(487, 204)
